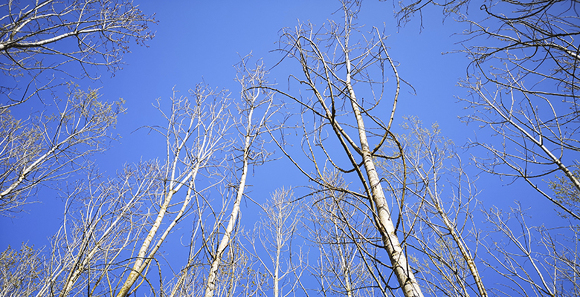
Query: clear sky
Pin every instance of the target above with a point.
(200, 41)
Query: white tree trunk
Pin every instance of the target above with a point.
(391, 242)
(226, 239)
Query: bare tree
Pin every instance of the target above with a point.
(255, 111)
(49, 147)
(47, 35)
(113, 228)
(231, 275)
(529, 95)
(343, 233)
(20, 271)
(102, 219)
(336, 61)
(216, 260)
(523, 86)
(194, 137)
(271, 243)
(532, 260)
(441, 207)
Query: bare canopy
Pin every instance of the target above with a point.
(50, 34)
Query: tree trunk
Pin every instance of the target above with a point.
(385, 225)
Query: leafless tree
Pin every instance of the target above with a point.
(20, 271)
(48, 35)
(229, 278)
(194, 138)
(113, 228)
(520, 259)
(523, 86)
(280, 262)
(343, 235)
(441, 207)
(532, 260)
(255, 111)
(215, 257)
(102, 219)
(344, 71)
(50, 146)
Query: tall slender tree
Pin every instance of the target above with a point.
(339, 65)
(255, 111)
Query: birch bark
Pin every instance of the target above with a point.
(385, 226)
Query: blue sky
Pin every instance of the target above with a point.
(201, 41)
